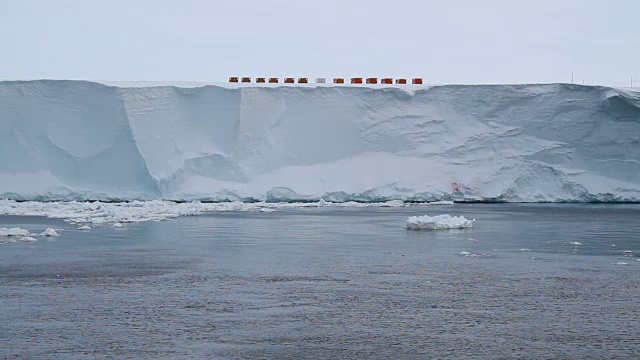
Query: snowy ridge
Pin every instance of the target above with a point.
(77, 140)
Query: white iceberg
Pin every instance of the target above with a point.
(49, 232)
(439, 222)
(14, 232)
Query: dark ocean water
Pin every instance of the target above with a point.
(332, 283)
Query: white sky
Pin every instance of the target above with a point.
(447, 41)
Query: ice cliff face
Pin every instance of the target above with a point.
(63, 140)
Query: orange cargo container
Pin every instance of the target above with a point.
(260, 80)
(401, 81)
(273, 80)
(338, 81)
(289, 80)
(303, 81)
(386, 81)
(372, 80)
(246, 79)
(233, 79)
(416, 81)
(356, 80)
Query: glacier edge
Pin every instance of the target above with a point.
(79, 140)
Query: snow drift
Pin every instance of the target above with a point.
(66, 140)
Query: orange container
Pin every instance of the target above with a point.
(416, 81)
(245, 79)
(372, 80)
(386, 81)
(338, 81)
(356, 80)
(260, 80)
(401, 81)
(303, 81)
(273, 80)
(289, 80)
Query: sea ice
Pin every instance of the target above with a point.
(443, 202)
(86, 213)
(439, 222)
(49, 232)
(14, 232)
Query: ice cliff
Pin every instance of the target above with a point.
(63, 140)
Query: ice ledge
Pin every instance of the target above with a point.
(64, 140)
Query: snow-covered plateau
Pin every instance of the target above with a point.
(79, 140)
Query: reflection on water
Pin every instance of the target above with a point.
(330, 283)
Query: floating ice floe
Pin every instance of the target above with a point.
(470, 254)
(575, 243)
(439, 222)
(84, 227)
(443, 202)
(49, 232)
(14, 232)
(97, 213)
(17, 234)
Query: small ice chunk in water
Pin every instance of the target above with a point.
(465, 253)
(620, 263)
(117, 225)
(525, 249)
(575, 243)
(14, 232)
(442, 202)
(50, 232)
(84, 227)
(439, 222)
(29, 238)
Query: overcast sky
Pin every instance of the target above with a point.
(447, 41)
